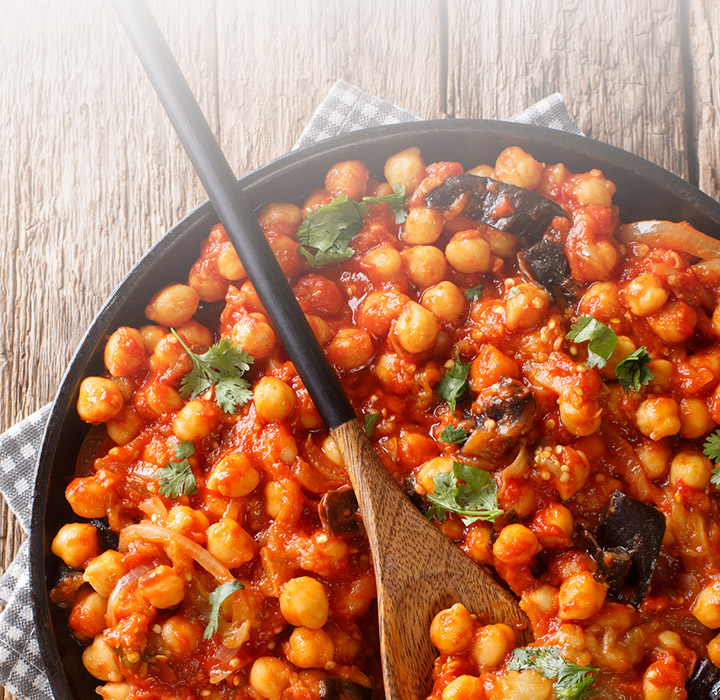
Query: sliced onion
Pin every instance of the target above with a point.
(123, 583)
(668, 234)
(168, 537)
(519, 466)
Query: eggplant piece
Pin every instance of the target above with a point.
(512, 209)
(340, 689)
(547, 265)
(613, 564)
(415, 498)
(704, 684)
(339, 513)
(109, 539)
(637, 529)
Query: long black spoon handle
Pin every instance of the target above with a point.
(234, 211)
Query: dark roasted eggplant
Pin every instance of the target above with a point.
(512, 209)
(339, 513)
(546, 263)
(704, 683)
(340, 689)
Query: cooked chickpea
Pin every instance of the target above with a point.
(162, 586)
(101, 661)
(692, 468)
(126, 425)
(156, 399)
(516, 167)
(274, 400)
(427, 473)
(309, 648)
(124, 352)
(554, 526)
(269, 677)
(229, 264)
(174, 305)
(525, 306)
(482, 171)
(665, 680)
(189, 522)
(86, 496)
(445, 301)
(320, 328)
(114, 691)
(523, 685)
(379, 310)
(196, 420)
(695, 419)
(706, 608)
(645, 295)
(655, 457)
(658, 417)
(230, 543)
(99, 400)
(422, 226)
(384, 262)
(516, 545)
(76, 544)
(713, 650)
(253, 334)
(351, 348)
(477, 543)
(304, 603)
(104, 571)
(592, 189)
(151, 336)
(426, 265)
(416, 328)
(405, 169)
(491, 644)
(87, 616)
(280, 216)
(331, 451)
(195, 334)
(234, 476)
(180, 635)
(451, 630)
(464, 688)
(469, 252)
(206, 281)
(348, 177)
(674, 323)
(602, 301)
(580, 597)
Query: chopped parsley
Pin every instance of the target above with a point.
(176, 478)
(222, 367)
(454, 385)
(453, 435)
(371, 420)
(216, 599)
(601, 340)
(395, 201)
(474, 293)
(467, 491)
(633, 371)
(572, 681)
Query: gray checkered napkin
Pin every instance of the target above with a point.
(346, 108)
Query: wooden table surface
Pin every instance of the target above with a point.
(91, 174)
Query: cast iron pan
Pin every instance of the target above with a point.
(645, 191)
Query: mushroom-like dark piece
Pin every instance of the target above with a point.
(339, 513)
(704, 684)
(512, 209)
(340, 689)
(546, 263)
(613, 564)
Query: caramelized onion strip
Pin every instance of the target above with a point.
(667, 234)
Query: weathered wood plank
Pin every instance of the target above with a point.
(617, 64)
(704, 39)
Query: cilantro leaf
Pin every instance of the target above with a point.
(513, 292)
(602, 340)
(467, 491)
(454, 385)
(176, 478)
(371, 420)
(711, 448)
(216, 599)
(222, 366)
(474, 293)
(395, 201)
(715, 477)
(325, 234)
(633, 371)
(452, 435)
(572, 681)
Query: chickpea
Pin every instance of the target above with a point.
(516, 167)
(124, 352)
(126, 426)
(286, 252)
(234, 476)
(592, 189)
(713, 650)
(692, 468)
(662, 373)
(86, 495)
(230, 543)
(151, 336)
(189, 522)
(99, 400)
(229, 264)
(516, 545)
(274, 400)
(196, 420)
(162, 587)
(695, 419)
(104, 571)
(87, 616)
(422, 226)
(304, 603)
(195, 334)
(706, 608)
(469, 252)
(156, 399)
(554, 526)
(525, 306)
(645, 295)
(331, 451)
(405, 169)
(206, 281)
(253, 334)
(269, 677)
(674, 323)
(320, 328)
(477, 543)
(348, 177)
(658, 417)
(180, 635)
(317, 199)
(384, 262)
(580, 597)
(308, 648)
(282, 217)
(426, 265)
(451, 630)
(523, 685)
(482, 171)
(101, 661)
(665, 680)
(429, 470)
(416, 328)
(174, 305)
(655, 457)
(76, 544)
(380, 310)
(445, 301)
(114, 691)
(491, 644)
(169, 353)
(351, 348)
(283, 500)
(602, 301)
(464, 688)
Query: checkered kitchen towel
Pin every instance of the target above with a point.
(346, 108)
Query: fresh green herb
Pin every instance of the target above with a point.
(176, 478)
(711, 448)
(217, 598)
(371, 420)
(633, 371)
(467, 491)
(513, 292)
(572, 681)
(474, 293)
(222, 366)
(602, 340)
(395, 201)
(453, 435)
(325, 234)
(454, 385)
(715, 477)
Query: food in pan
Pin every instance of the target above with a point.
(542, 380)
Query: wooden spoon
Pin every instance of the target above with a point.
(418, 570)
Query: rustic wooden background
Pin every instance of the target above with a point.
(91, 174)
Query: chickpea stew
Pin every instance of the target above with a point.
(520, 380)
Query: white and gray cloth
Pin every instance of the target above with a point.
(345, 109)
